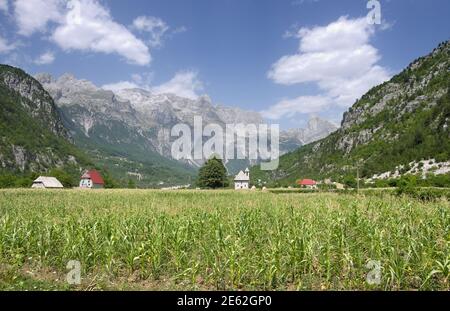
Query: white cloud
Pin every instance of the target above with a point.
(153, 25)
(33, 15)
(141, 81)
(14, 59)
(343, 34)
(83, 25)
(88, 26)
(184, 84)
(290, 107)
(385, 25)
(6, 46)
(121, 85)
(180, 29)
(337, 57)
(45, 58)
(324, 65)
(301, 2)
(4, 6)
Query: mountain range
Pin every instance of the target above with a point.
(131, 127)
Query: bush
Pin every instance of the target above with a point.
(424, 194)
(7, 181)
(327, 187)
(350, 181)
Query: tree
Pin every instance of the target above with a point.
(212, 174)
(7, 180)
(350, 181)
(110, 182)
(131, 184)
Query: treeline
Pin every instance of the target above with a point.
(431, 180)
(350, 181)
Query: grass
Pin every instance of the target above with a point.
(153, 240)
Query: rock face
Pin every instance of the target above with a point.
(160, 112)
(34, 99)
(137, 123)
(32, 134)
(398, 122)
(89, 109)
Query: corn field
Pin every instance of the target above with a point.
(222, 240)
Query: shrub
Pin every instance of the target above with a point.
(424, 194)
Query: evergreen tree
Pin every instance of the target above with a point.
(213, 174)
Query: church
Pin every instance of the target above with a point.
(242, 180)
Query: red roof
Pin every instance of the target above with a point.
(307, 182)
(94, 176)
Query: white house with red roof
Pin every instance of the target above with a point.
(308, 183)
(92, 180)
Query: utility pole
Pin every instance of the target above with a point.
(357, 176)
(358, 163)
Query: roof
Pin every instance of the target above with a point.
(242, 177)
(48, 182)
(95, 176)
(307, 182)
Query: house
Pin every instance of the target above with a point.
(92, 180)
(242, 180)
(308, 183)
(43, 182)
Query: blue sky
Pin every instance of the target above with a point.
(287, 59)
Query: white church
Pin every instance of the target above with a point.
(242, 180)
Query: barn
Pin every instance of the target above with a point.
(92, 180)
(43, 182)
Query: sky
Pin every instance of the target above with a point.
(288, 60)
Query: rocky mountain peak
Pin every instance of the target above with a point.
(316, 123)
